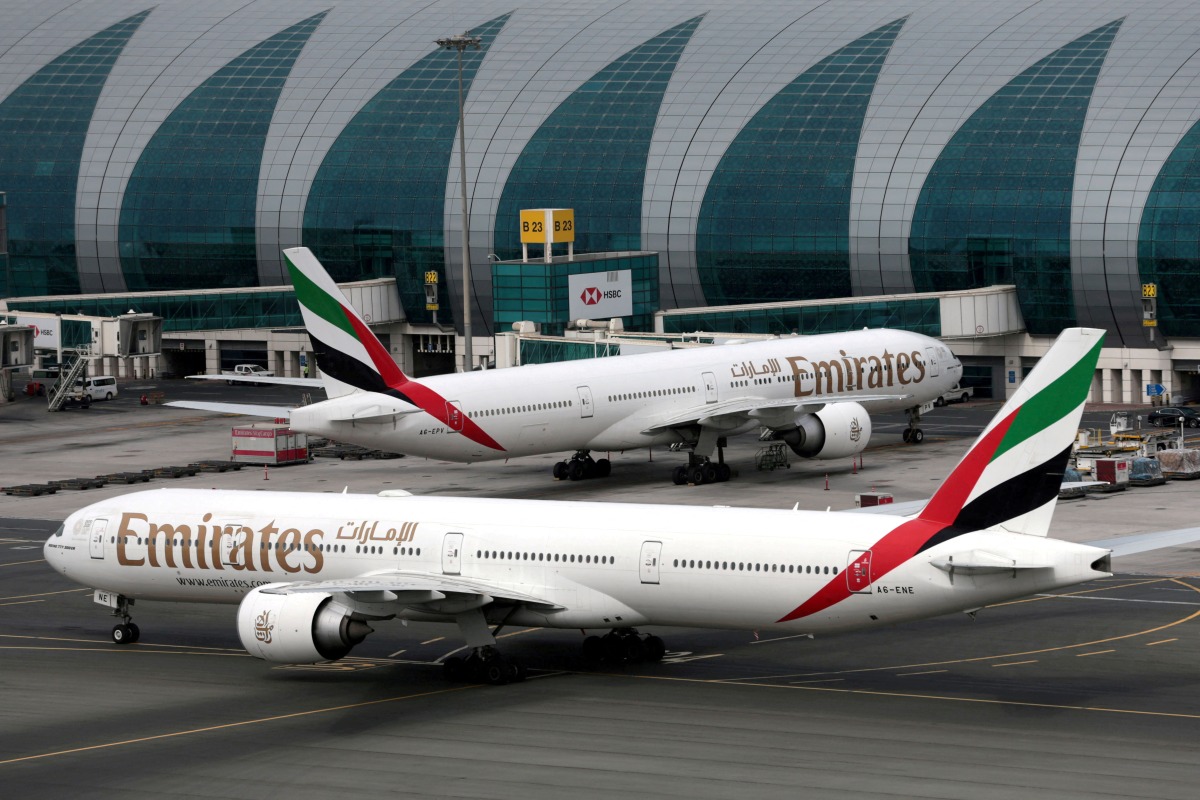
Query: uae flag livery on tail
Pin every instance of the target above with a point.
(351, 358)
(1010, 478)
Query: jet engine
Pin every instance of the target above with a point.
(301, 628)
(836, 431)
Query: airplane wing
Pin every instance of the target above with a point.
(416, 589)
(761, 408)
(308, 383)
(234, 408)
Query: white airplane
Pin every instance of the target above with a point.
(312, 571)
(812, 391)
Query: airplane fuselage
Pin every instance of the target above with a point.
(594, 564)
(620, 403)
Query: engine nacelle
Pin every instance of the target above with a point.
(836, 431)
(297, 628)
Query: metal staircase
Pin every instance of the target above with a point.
(60, 392)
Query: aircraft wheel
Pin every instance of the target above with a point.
(695, 475)
(710, 473)
(939, 402)
(593, 650)
(724, 472)
(614, 648)
(656, 648)
(122, 635)
(454, 668)
(635, 649)
(575, 470)
(603, 468)
(907, 434)
(560, 471)
(135, 632)
(680, 476)
(918, 436)
(517, 672)
(496, 671)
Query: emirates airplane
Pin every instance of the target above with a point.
(812, 391)
(312, 572)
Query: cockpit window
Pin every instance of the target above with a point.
(61, 529)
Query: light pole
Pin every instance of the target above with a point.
(461, 43)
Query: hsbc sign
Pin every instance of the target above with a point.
(601, 295)
(45, 330)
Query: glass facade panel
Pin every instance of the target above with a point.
(775, 223)
(538, 292)
(920, 316)
(996, 207)
(540, 351)
(590, 155)
(1169, 238)
(376, 206)
(187, 221)
(43, 124)
(184, 312)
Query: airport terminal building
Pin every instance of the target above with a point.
(162, 154)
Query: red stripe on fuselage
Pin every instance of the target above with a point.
(906, 540)
(430, 401)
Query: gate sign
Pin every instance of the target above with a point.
(1155, 389)
(45, 331)
(600, 295)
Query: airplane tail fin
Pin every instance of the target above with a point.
(1011, 476)
(349, 355)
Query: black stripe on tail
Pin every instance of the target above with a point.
(1018, 495)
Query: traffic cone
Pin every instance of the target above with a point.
(266, 477)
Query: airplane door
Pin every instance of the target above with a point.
(96, 539)
(585, 401)
(931, 361)
(229, 538)
(710, 387)
(454, 417)
(452, 553)
(651, 551)
(858, 571)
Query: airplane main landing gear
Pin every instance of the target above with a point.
(913, 434)
(621, 646)
(484, 665)
(582, 466)
(127, 631)
(701, 470)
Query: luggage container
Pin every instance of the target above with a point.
(1114, 472)
(268, 443)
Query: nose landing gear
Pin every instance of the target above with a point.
(913, 434)
(126, 632)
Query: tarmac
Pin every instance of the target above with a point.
(1092, 692)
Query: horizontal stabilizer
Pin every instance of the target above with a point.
(307, 383)
(1141, 543)
(283, 412)
(904, 509)
(978, 562)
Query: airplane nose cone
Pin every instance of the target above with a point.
(52, 551)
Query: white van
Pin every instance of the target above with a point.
(99, 387)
